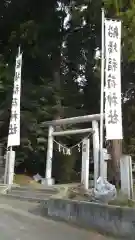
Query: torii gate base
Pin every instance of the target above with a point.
(85, 158)
(48, 181)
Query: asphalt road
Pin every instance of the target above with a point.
(16, 224)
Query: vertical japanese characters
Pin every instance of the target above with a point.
(113, 113)
(14, 126)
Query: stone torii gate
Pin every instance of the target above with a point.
(94, 119)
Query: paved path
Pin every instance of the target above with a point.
(18, 224)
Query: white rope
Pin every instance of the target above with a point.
(79, 142)
(69, 149)
(65, 149)
(60, 144)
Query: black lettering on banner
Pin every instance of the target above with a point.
(113, 117)
(18, 63)
(14, 102)
(112, 99)
(111, 81)
(17, 76)
(112, 47)
(112, 64)
(12, 129)
(115, 47)
(16, 89)
(113, 31)
(14, 115)
(115, 64)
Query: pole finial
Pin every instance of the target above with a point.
(19, 50)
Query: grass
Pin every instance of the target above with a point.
(121, 200)
(123, 203)
(24, 180)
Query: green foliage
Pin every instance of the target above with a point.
(60, 75)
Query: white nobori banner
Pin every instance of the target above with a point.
(113, 109)
(14, 126)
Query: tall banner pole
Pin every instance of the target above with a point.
(113, 108)
(14, 126)
(113, 102)
(102, 91)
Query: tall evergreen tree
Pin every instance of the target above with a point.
(60, 74)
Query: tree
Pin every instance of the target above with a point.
(41, 35)
(61, 76)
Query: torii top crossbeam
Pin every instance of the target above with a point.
(73, 120)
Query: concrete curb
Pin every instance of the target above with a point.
(4, 188)
(25, 198)
(8, 208)
(113, 220)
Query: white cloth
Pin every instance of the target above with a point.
(37, 177)
(104, 191)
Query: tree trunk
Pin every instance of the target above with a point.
(56, 77)
(116, 152)
(59, 109)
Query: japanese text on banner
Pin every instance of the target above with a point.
(14, 126)
(113, 114)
